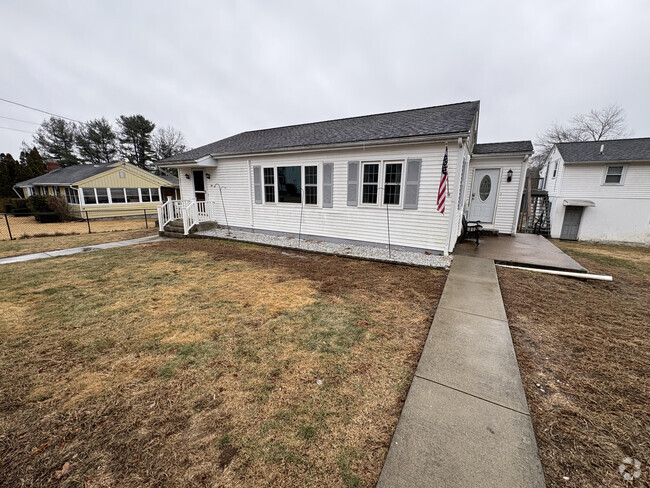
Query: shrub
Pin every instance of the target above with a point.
(59, 206)
(48, 208)
(19, 206)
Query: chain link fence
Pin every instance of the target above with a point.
(25, 224)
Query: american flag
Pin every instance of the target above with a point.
(442, 189)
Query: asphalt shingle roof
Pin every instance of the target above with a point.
(504, 147)
(72, 174)
(69, 175)
(443, 119)
(614, 150)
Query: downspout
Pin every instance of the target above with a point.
(250, 195)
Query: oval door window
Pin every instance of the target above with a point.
(484, 188)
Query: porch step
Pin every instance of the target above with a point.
(175, 228)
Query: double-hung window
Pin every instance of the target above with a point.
(89, 196)
(392, 183)
(102, 195)
(117, 195)
(614, 175)
(311, 185)
(132, 195)
(370, 183)
(269, 185)
(155, 195)
(71, 195)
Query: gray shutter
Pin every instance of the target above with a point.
(257, 183)
(328, 176)
(412, 187)
(353, 183)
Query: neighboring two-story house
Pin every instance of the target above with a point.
(600, 190)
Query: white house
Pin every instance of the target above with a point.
(337, 180)
(600, 190)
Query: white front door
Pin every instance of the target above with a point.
(484, 195)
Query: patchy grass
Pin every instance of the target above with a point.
(206, 363)
(53, 243)
(27, 227)
(586, 344)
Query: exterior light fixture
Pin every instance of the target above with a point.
(187, 175)
(207, 176)
(509, 175)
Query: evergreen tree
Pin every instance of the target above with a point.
(134, 135)
(28, 166)
(97, 142)
(55, 139)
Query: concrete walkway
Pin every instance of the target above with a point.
(465, 422)
(77, 250)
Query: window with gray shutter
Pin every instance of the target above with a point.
(257, 183)
(412, 185)
(353, 183)
(328, 177)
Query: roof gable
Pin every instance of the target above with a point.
(443, 119)
(613, 150)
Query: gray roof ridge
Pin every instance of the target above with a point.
(603, 141)
(354, 117)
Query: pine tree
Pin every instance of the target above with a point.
(135, 139)
(55, 139)
(97, 142)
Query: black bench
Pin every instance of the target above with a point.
(471, 228)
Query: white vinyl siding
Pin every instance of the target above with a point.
(423, 227)
(507, 204)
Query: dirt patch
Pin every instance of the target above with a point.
(206, 363)
(583, 351)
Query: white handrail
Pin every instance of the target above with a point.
(165, 214)
(190, 216)
(191, 212)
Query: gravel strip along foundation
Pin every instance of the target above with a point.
(363, 252)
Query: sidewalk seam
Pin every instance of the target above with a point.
(474, 396)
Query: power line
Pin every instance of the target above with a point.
(17, 130)
(19, 120)
(39, 110)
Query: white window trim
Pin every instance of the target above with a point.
(623, 173)
(382, 183)
(277, 202)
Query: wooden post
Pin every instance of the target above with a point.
(146, 223)
(8, 228)
(88, 221)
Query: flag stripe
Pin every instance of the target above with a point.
(442, 189)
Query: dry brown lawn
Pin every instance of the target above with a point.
(587, 344)
(53, 243)
(206, 363)
(24, 227)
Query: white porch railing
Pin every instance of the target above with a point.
(191, 212)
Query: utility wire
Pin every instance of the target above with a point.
(17, 130)
(19, 120)
(39, 110)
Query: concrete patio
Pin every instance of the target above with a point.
(530, 250)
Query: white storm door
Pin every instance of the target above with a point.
(484, 195)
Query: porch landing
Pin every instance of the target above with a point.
(530, 250)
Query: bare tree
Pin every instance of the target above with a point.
(167, 142)
(598, 124)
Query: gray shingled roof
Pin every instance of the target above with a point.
(504, 147)
(72, 174)
(444, 119)
(614, 150)
(67, 176)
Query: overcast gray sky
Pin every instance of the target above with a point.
(212, 69)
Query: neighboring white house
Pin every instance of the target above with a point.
(336, 180)
(600, 190)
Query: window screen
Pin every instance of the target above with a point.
(370, 183)
(311, 185)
